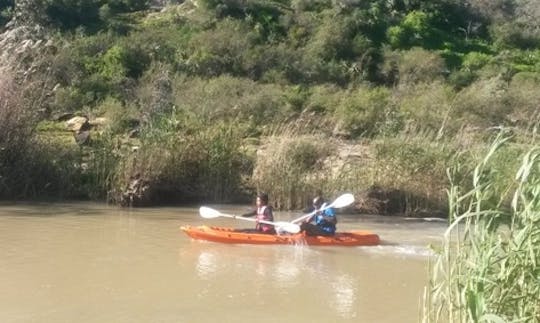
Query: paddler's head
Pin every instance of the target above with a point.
(262, 199)
(318, 202)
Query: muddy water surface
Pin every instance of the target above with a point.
(85, 262)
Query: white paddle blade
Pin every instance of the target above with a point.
(343, 201)
(208, 213)
(287, 226)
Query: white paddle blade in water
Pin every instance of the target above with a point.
(209, 213)
(287, 226)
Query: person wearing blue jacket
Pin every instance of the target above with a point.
(324, 219)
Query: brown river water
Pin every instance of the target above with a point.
(88, 262)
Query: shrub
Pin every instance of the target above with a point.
(414, 164)
(414, 30)
(291, 168)
(483, 104)
(124, 61)
(427, 107)
(367, 112)
(220, 50)
(474, 61)
(6, 11)
(69, 14)
(180, 162)
(419, 65)
(231, 98)
(30, 166)
(523, 98)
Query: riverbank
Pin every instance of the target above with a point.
(215, 100)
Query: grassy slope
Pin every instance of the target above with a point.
(371, 99)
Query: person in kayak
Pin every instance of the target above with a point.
(325, 220)
(263, 212)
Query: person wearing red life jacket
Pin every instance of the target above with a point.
(262, 212)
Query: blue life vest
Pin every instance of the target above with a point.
(323, 224)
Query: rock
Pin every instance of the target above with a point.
(82, 138)
(78, 124)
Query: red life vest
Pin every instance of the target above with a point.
(261, 216)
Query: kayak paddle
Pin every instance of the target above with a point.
(209, 213)
(342, 201)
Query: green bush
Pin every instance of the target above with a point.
(474, 61)
(414, 30)
(69, 14)
(367, 112)
(460, 79)
(124, 61)
(324, 99)
(6, 11)
(231, 98)
(219, 51)
(427, 107)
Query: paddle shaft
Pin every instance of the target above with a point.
(309, 215)
(249, 219)
(342, 201)
(209, 213)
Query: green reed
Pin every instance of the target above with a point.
(488, 268)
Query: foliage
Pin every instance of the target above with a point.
(72, 13)
(6, 11)
(422, 80)
(416, 166)
(182, 160)
(367, 112)
(418, 65)
(230, 98)
(290, 169)
(413, 30)
(487, 269)
(428, 107)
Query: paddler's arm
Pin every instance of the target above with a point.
(252, 213)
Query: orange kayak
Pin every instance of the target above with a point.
(229, 235)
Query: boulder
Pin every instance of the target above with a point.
(78, 124)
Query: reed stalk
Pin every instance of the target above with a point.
(488, 269)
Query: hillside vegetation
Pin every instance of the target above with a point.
(212, 100)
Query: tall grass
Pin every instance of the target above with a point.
(290, 166)
(488, 269)
(182, 160)
(17, 124)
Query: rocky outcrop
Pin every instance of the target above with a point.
(82, 126)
